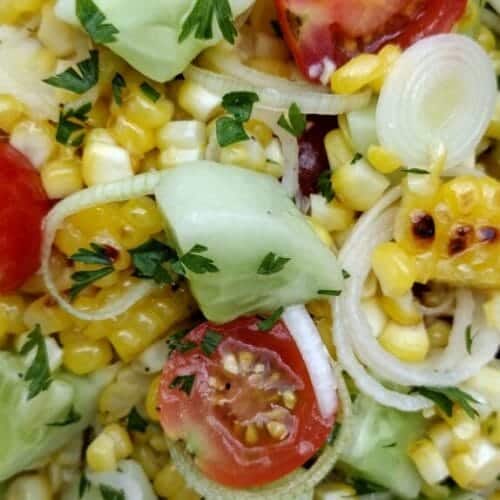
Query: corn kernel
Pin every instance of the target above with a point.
(321, 232)
(87, 356)
(430, 463)
(440, 434)
(139, 109)
(47, 313)
(172, 156)
(486, 39)
(402, 310)
(61, 178)
(338, 150)
(35, 140)
(101, 454)
(197, 101)
(168, 482)
(374, 315)
(260, 131)
(492, 428)
(333, 216)
(151, 461)
(407, 343)
(336, 490)
(356, 74)
(152, 400)
(383, 160)
(133, 137)
(247, 154)
(121, 439)
(439, 333)
(29, 487)
(388, 56)
(12, 308)
(491, 310)
(11, 112)
(184, 134)
(463, 428)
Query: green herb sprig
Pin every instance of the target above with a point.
(93, 20)
(295, 122)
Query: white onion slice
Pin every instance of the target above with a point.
(441, 90)
(135, 187)
(315, 356)
(279, 100)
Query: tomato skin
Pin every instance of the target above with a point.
(23, 204)
(341, 29)
(219, 453)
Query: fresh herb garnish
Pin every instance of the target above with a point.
(267, 324)
(295, 123)
(98, 254)
(184, 383)
(325, 187)
(83, 485)
(272, 264)
(109, 493)
(135, 421)
(418, 171)
(345, 274)
(390, 445)
(176, 342)
(195, 262)
(229, 131)
(70, 122)
(333, 435)
(79, 81)
(210, 342)
(83, 279)
(444, 397)
(469, 339)
(72, 417)
(333, 293)
(38, 373)
(365, 487)
(117, 85)
(151, 93)
(93, 20)
(356, 158)
(148, 260)
(200, 20)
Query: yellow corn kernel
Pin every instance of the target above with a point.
(407, 343)
(197, 101)
(101, 454)
(333, 215)
(271, 66)
(11, 112)
(260, 131)
(247, 154)
(321, 232)
(170, 484)
(36, 140)
(374, 315)
(439, 333)
(12, 309)
(172, 156)
(140, 109)
(435, 491)
(429, 462)
(356, 74)
(337, 149)
(395, 270)
(99, 114)
(87, 356)
(46, 312)
(402, 310)
(121, 439)
(29, 487)
(152, 400)
(61, 178)
(136, 139)
(383, 160)
(336, 490)
(486, 39)
(491, 310)
(388, 56)
(463, 428)
(442, 437)
(151, 461)
(142, 219)
(492, 428)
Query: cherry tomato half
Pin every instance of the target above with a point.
(23, 204)
(247, 411)
(318, 30)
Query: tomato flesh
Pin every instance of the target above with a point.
(250, 416)
(23, 204)
(338, 30)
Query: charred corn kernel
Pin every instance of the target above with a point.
(358, 185)
(374, 315)
(197, 101)
(321, 231)
(271, 66)
(169, 483)
(338, 150)
(121, 439)
(135, 138)
(152, 400)
(491, 310)
(247, 154)
(442, 437)
(87, 356)
(46, 312)
(12, 309)
(183, 134)
(140, 109)
(29, 487)
(486, 39)
(36, 140)
(492, 428)
(439, 333)
(407, 343)
(429, 462)
(172, 156)
(333, 216)
(356, 74)
(388, 56)
(395, 270)
(334, 490)
(11, 112)
(383, 160)
(151, 461)
(402, 310)
(260, 131)
(60, 178)
(101, 454)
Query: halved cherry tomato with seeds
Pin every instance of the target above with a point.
(337, 30)
(245, 407)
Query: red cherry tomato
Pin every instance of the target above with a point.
(337, 30)
(23, 204)
(247, 411)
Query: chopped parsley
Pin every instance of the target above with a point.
(135, 421)
(444, 397)
(117, 85)
(184, 383)
(71, 122)
(267, 324)
(418, 171)
(176, 342)
(93, 20)
(38, 374)
(272, 264)
(148, 260)
(151, 93)
(83, 485)
(72, 417)
(332, 293)
(109, 493)
(79, 81)
(98, 254)
(469, 339)
(295, 123)
(390, 445)
(325, 187)
(201, 18)
(345, 274)
(230, 131)
(356, 158)
(210, 342)
(83, 279)
(195, 262)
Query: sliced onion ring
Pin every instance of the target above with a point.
(441, 90)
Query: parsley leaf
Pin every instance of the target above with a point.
(117, 85)
(97, 255)
(184, 383)
(38, 373)
(365, 487)
(93, 20)
(176, 342)
(356, 158)
(272, 264)
(332, 293)
(109, 493)
(240, 104)
(194, 262)
(200, 20)
(70, 122)
(148, 259)
(469, 339)
(72, 417)
(79, 81)
(210, 342)
(390, 445)
(135, 421)
(267, 324)
(83, 279)
(444, 397)
(83, 485)
(325, 185)
(151, 93)
(230, 131)
(345, 274)
(295, 123)
(419, 171)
